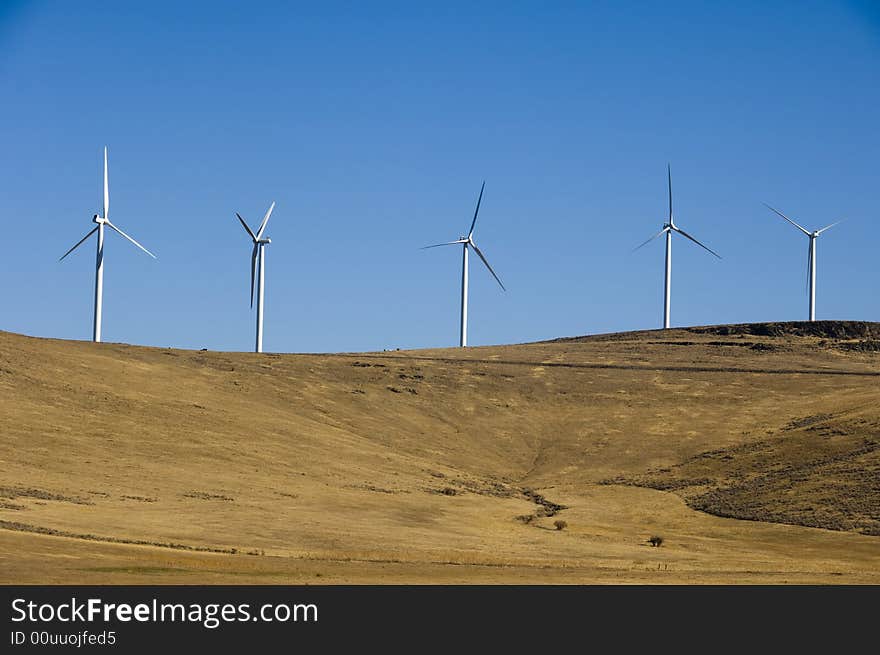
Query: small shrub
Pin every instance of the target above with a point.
(656, 541)
(560, 524)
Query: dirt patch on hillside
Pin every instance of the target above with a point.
(36, 529)
(41, 494)
(838, 330)
(818, 472)
(820, 329)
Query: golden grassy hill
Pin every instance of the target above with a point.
(752, 450)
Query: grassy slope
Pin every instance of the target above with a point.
(444, 466)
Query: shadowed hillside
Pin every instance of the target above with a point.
(734, 443)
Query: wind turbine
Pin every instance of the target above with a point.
(466, 242)
(99, 264)
(259, 254)
(811, 257)
(668, 228)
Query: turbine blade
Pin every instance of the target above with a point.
(448, 243)
(265, 220)
(801, 228)
(477, 210)
(828, 227)
(645, 243)
(486, 262)
(245, 225)
(80, 242)
(686, 235)
(253, 271)
(809, 267)
(106, 187)
(121, 233)
(669, 176)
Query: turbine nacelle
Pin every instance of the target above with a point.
(670, 225)
(810, 233)
(469, 240)
(103, 220)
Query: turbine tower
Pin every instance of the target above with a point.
(99, 264)
(668, 228)
(258, 255)
(811, 256)
(466, 242)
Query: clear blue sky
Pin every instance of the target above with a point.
(372, 125)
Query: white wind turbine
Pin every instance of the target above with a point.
(99, 264)
(811, 257)
(259, 254)
(465, 242)
(668, 229)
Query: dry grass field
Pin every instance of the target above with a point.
(753, 451)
